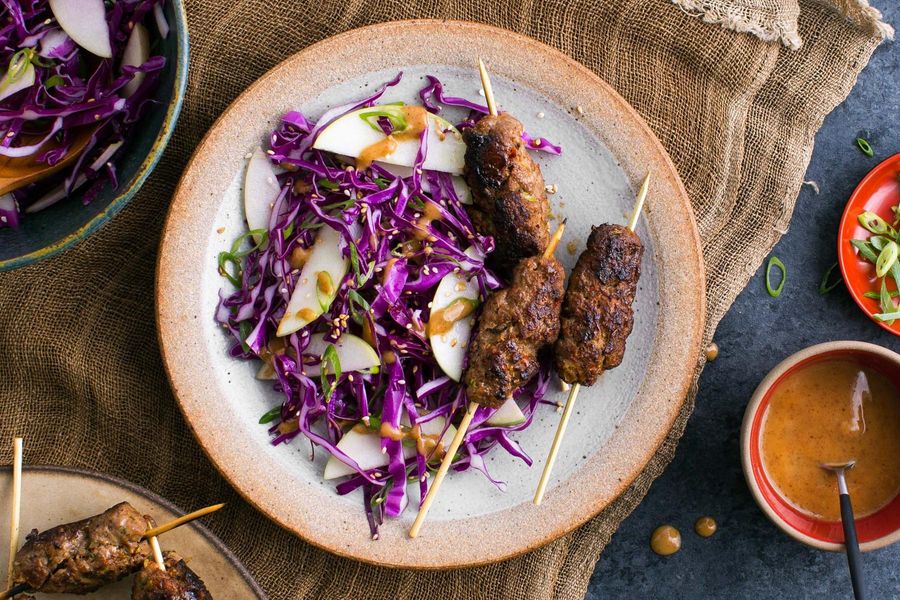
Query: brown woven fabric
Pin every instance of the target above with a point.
(80, 371)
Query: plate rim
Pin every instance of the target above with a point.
(167, 504)
(695, 315)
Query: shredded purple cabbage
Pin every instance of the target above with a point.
(385, 298)
(74, 91)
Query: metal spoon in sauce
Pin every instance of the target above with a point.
(851, 543)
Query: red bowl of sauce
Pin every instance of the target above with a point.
(828, 403)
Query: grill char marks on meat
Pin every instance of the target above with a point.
(596, 315)
(177, 582)
(81, 557)
(515, 324)
(510, 202)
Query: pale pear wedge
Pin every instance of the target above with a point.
(261, 189)
(26, 80)
(450, 348)
(136, 53)
(353, 353)
(508, 415)
(85, 22)
(365, 448)
(318, 282)
(351, 134)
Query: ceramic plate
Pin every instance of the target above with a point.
(619, 423)
(877, 192)
(54, 495)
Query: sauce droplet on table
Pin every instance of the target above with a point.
(665, 540)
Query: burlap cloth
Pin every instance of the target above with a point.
(80, 371)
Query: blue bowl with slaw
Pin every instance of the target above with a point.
(52, 230)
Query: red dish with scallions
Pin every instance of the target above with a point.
(869, 244)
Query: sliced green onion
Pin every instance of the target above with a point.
(877, 296)
(888, 317)
(826, 285)
(392, 112)
(53, 81)
(865, 250)
(885, 302)
(328, 185)
(865, 146)
(270, 415)
(233, 257)
(879, 242)
(331, 364)
(776, 262)
(876, 224)
(886, 259)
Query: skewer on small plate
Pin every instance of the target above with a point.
(573, 392)
(149, 535)
(15, 513)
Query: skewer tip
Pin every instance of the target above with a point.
(486, 86)
(639, 204)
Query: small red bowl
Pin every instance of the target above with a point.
(877, 192)
(874, 531)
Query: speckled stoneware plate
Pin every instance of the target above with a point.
(55, 495)
(54, 229)
(619, 423)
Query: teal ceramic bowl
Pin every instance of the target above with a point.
(54, 229)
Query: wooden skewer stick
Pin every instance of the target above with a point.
(463, 427)
(488, 89)
(157, 553)
(573, 393)
(16, 512)
(181, 521)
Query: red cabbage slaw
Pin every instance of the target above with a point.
(375, 213)
(73, 89)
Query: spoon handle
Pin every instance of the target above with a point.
(854, 557)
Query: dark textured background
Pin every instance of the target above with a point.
(749, 557)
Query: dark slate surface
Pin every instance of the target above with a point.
(749, 557)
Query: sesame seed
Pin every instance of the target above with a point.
(540, 115)
(579, 110)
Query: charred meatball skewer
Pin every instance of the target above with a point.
(83, 556)
(596, 314)
(509, 199)
(517, 321)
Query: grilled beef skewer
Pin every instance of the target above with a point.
(177, 582)
(596, 314)
(515, 324)
(83, 556)
(509, 200)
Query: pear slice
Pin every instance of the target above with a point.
(317, 284)
(351, 134)
(136, 53)
(450, 348)
(261, 189)
(353, 352)
(507, 415)
(365, 448)
(85, 22)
